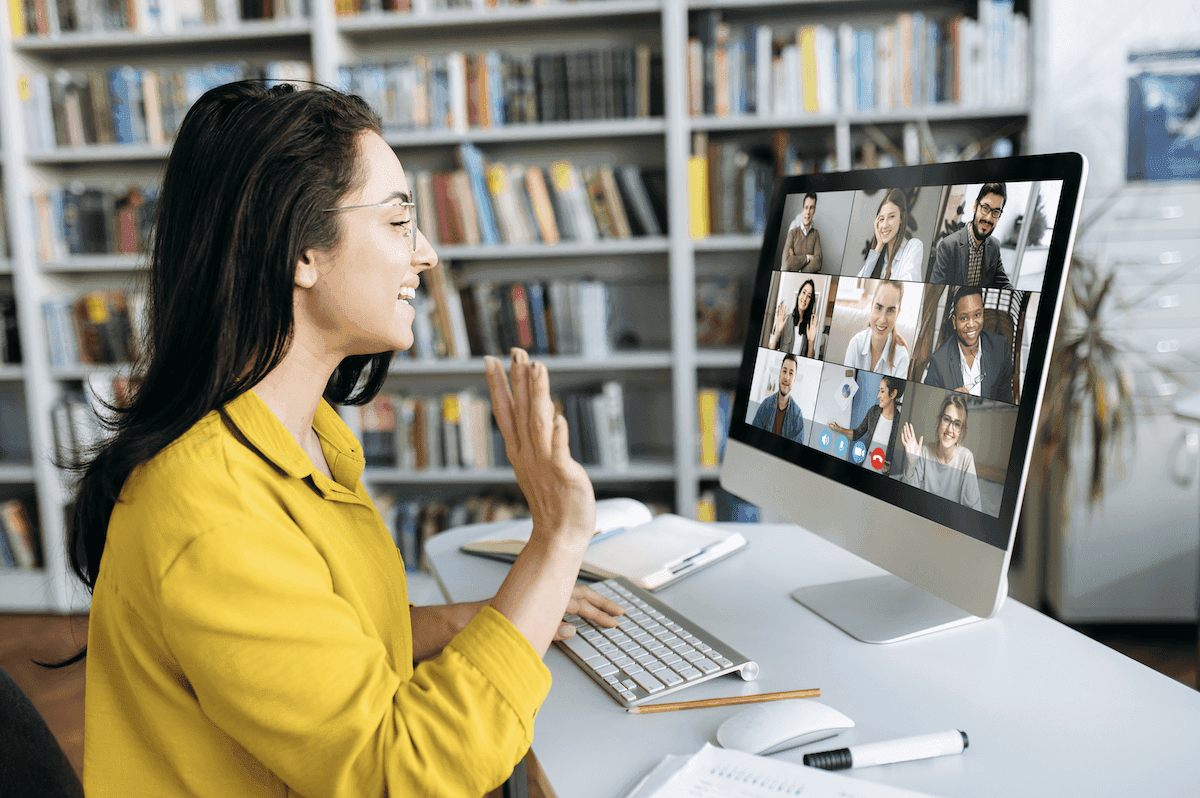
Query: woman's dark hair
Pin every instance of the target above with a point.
(897, 198)
(801, 322)
(243, 198)
(894, 385)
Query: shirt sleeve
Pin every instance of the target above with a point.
(280, 662)
(970, 485)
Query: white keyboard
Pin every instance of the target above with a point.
(654, 651)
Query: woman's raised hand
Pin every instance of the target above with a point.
(908, 437)
(781, 314)
(560, 495)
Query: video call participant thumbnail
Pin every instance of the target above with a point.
(880, 347)
(779, 412)
(972, 360)
(796, 330)
(878, 428)
(802, 249)
(948, 468)
(971, 256)
(894, 255)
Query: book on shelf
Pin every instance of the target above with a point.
(19, 546)
(713, 413)
(630, 541)
(10, 334)
(719, 321)
(93, 220)
(913, 60)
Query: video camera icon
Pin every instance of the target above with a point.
(859, 452)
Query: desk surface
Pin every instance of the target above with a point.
(1049, 711)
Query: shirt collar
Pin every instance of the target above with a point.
(266, 433)
(866, 344)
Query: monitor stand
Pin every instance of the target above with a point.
(881, 609)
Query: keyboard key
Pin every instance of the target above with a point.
(621, 662)
(692, 656)
(655, 645)
(605, 668)
(591, 635)
(612, 679)
(722, 661)
(671, 658)
(581, 647)
(629, 684)
(669, 677)
(608, 649)
(644, 658)
(707, 665)
(656, 666)
(690, 673)
(628, 696)
(648, 682)
(632, 669)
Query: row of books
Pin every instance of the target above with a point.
(913, 61)
(95, 327)
(127, 104)
(507, 203)
(460, 90)
(728, 188)
(557, 317)
(10, 336)
(454, 431)
(77, 219)
(18, 536)
(350, 8)
(50, 18)
(412, 522)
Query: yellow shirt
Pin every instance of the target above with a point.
(250, 635)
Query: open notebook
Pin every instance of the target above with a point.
(650, 551)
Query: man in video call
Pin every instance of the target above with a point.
(971, 256)
(972, 360)
(802, 249)
(779, 413)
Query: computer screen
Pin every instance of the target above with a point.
(899, 335)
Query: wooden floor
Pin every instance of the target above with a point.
(1170, 649)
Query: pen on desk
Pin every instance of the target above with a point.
(906, 749)
(724, 702)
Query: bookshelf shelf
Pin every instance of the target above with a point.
(121, 42)
(82, 264)
(728, 243)
(627, 246)
(718, 358)
(544, 131)
(637, 472)
(99, 154)
(25, 590)
(624, 361)
(10, 372)
(932, 113)
(16, 473)
(385, 23)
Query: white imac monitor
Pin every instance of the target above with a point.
(899, 339)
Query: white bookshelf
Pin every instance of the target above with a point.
(329, 41)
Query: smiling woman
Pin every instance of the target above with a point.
(250, 632)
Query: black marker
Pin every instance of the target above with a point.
(906, 749)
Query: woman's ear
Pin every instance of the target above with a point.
(308, 269)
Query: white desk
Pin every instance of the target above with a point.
(1049, 712)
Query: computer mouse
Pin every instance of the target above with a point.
(779, 725)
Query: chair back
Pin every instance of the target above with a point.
(32, 764)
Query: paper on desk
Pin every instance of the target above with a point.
(721, 773)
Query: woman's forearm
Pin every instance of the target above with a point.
(535, 593)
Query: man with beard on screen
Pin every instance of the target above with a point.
(971, 256)
(779, 412)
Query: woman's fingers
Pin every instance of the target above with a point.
(520, 388)
(541, 410)
(502, 400)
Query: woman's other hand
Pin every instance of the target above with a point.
(908, 437)
(560, 495)
(591, 606)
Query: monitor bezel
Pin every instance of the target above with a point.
(997, 531)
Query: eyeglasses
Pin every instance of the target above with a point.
(952, 423)
(988, 210)
(407, 226)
